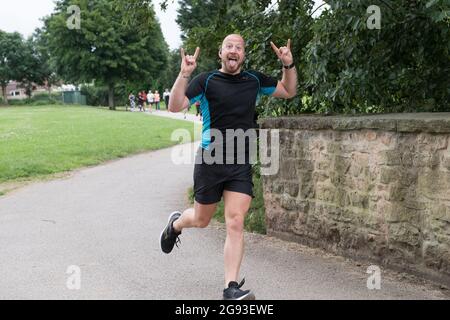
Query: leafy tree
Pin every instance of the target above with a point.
(403, 66)
(33, 67)
(11, 53)
(174, 68)
(47, 64)
(259, 22)
(343, 65)
(19, 61)
(114, 45)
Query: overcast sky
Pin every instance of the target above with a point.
(24, 16)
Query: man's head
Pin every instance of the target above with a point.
(232, 54)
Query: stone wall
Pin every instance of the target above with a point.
(372, 187)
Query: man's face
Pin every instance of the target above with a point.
(232, 54)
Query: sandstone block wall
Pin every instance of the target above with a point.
(372, 187)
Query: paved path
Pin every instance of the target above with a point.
(178, 115)
(107, 219)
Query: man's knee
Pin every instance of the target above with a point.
(201, 222)
(235, 222)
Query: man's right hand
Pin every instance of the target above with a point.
(188, 63)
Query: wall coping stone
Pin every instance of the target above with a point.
(438, 122)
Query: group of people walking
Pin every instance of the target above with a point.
(150, 100)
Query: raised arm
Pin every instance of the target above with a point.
(178, 100)
(287, 87)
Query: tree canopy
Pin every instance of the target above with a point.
(20, 60)
(403, 66)
(114, 44)
(10, 45)
(344, 66)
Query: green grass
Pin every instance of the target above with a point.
(255, 219)
(192, 109)
(44, 140)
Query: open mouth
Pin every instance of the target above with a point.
(233, 61)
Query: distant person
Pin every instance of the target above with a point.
(157, 99)
(144, 98)
(140, 100)
(199, 111)
(150, 99)
(186, 111)
(132, 100)
(166, 96)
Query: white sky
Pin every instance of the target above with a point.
(24, 16)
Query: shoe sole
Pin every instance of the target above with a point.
(248, 296)
(160, 236)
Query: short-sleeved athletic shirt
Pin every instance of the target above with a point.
(228, 101)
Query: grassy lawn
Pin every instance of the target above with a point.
(40, 141)
(192, 109)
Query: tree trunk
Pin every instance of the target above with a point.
(49, 87)
(29, 91)
(4, 95)
(111, 97)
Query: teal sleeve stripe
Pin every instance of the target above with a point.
(206, 130)
(268, 91)
(195, 99)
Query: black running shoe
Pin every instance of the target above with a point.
(169, 237)
(234, 292)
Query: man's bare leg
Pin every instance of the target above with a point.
(197, 217)
(236, 208)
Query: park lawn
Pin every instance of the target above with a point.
(192, 109)
(41, 141)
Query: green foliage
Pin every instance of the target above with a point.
(111, 47)
(343, 66)
(96, 95)
(403, 66)
(41, 99)
(11, 46)
(34, 67)
(172, 71)
(20, 61)
(259, 23)
(47, 64)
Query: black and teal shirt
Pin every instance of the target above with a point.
(228, 101)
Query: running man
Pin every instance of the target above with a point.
(228, 99)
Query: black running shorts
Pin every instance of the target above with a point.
(210, 180)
